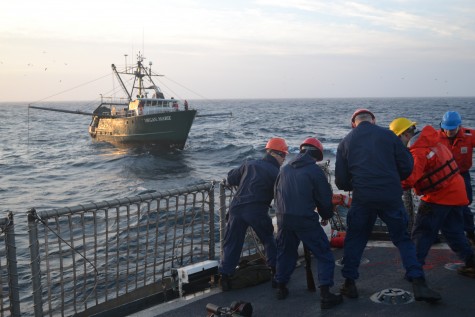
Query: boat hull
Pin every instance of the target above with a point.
(168, 129)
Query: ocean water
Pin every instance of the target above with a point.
(48, 160)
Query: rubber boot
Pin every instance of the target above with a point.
(422, 292)
(469, 268)
(225, 283)
(273, 281)
(349, 289)
(327, 299)
(471, 238)
(282, 291)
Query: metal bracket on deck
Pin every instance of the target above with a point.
(196, 276)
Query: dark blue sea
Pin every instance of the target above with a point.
(48, 160)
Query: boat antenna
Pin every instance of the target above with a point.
(143, 40)
(125, 62)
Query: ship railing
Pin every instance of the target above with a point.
(99, 256)
(9, 287)
(105, 257)
(108, 100)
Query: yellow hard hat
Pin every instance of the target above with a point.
(399, 125)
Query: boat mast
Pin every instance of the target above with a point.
(139, 72)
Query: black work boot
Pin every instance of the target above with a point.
(282, 291)
(469, 268)
(273, 281)
(422, 292)
(327, 299)
(225, 283)
(471, 238)
(349, 289)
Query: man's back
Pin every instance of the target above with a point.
(372, 161)
(255, 179)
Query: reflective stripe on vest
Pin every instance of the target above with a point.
(446, 168)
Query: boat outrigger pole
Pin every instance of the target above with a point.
(62, 110)
(121, 82)
(73, 112)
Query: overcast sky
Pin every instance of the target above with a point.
(240, 49)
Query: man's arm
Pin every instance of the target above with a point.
(404, 160)
(342, 174)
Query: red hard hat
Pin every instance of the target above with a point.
(314, 143)
(360, 111)
(277, 144)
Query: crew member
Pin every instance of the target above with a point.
(460, 141)
(250, 207)
(371, 161)
(437, 178)
(302, 187)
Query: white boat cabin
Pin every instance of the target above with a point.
(147, 106)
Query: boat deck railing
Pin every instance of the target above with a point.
(9, 290)
(89, 259)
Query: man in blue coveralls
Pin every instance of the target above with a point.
(250, 207)
(372, 161)
(300, 188)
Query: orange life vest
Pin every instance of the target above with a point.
(462, 147)
(444, 169)
(341, 200)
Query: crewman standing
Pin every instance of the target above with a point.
(371, 161)
(250, 207)
(460, 141)
(437, 178)
(302, 187)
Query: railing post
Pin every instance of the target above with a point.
(35, 263)
(222, 212)
(14, 289)
(212, 243)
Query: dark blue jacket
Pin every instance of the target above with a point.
(300, 188)
(255, 180)
(371, 161)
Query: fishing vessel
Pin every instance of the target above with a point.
(146, 116)
(143, 115)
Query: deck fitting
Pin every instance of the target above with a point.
(453, 266)
(392, 296)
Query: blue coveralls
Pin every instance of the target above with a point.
(371, 161)
(469, 225)
(449, 220)
(250, 207)
(300, 188)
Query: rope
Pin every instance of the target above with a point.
(69, 89)
(65, 242)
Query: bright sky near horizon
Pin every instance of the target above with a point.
(240, 48)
